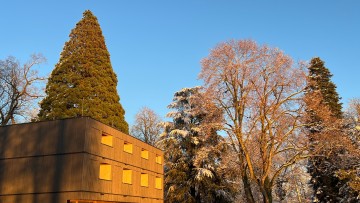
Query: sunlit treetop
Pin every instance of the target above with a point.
(83, 82)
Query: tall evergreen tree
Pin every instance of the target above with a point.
(193, 149)
(83, 82)
(320, 80)
(321, 168)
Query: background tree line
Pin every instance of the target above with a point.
(286, 137)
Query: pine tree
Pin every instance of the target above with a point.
(83, 82)
(322, 168)
(320, 80)
(193, 152)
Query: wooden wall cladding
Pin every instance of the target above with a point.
(57, 161)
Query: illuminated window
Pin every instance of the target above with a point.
(144, 154)
(158, 183)
(144, 180)
(107, 139)
(158, 159)
(127, 176)
(128, 147)
(105, 172)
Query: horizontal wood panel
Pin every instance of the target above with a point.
(60, 160)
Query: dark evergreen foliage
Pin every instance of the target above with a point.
(322, 168)
(320, 80)
(193, 157)
(83, 82)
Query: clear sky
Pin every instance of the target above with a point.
(156, 46)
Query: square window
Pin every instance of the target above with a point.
(107, 139)
(158, 183)
(105, 172)
(144, 180)
(144, 154)
(128, 147)
(127, 176)
(158, 159)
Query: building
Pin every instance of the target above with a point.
(78, 160)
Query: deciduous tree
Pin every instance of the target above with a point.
(349, 162)
(352, 120)
(19, 87)
(83, 82)
(147, 126)
(260, 91)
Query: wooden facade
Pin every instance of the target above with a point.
(77, 160)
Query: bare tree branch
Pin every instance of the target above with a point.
(146, 126)
(260, 91)
(18, 87)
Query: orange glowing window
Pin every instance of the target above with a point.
(158, 159)
(107, 139)
(144, 154)
(105, 172)
(144, 180)
(128, 147)
(127, 176)
(158, 183)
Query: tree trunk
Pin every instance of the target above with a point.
(13, 120)
(267, 197)
(266, 191)
(247, 189)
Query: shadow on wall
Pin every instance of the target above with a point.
(39, 160)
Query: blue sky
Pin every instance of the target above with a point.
(156, 46)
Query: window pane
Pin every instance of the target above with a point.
(144, 180)
(105, 172)
(145, 154)
(127, 176)
(128, 147)
(158, 159)
(158, 183)
(107, 139)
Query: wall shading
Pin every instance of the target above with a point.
(75, 160)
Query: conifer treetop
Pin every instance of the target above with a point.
(320, 80)
(83, 82)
